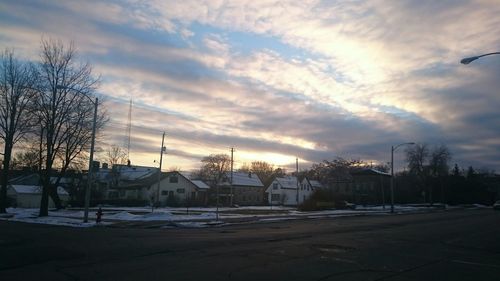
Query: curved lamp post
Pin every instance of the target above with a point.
(471, 59)
(393, 148)
(90, 172)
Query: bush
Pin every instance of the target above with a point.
(323, 200)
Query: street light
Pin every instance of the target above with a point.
(91, 160)
(471, 59)
(393, 148)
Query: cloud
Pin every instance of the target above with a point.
(312, 79)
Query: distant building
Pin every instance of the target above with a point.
(178, 188)
(370, 186)
(247, 189)
(30, 196)
(124, 182)
(311, 184)
(69, 182)
(289, 191)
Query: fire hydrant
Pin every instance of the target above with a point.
(98, 215)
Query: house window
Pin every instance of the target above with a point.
(275, 185)
(275, 197)
(170, 193)
(164, 192)
(180, 190)
(174, 179)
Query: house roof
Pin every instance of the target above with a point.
(34, 189)
(200, 184)
(371, 171)
(315, 183)
(288, 182)
(34, 179)
(243, 179)
(133, 173)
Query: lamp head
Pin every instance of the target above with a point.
(468, 60)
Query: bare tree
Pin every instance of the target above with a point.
(78, 135)
(115, 155)
(439, 161)
(214, 167)
(17, 81)
(264, 171)
(439, 167)
(174, 169)
(64, 109)
(417, 157)
(337, 170)
(28, 158)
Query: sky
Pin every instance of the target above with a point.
(279, 80)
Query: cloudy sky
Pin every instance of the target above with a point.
(282, 79)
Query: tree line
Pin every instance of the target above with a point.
(46, 106)
(427, 177)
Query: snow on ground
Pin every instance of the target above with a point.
(54, 218)
(201, 217)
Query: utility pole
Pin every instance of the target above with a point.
(383, 191)
(231, 198)
(393, 148)
(297, 177)
(163, 148)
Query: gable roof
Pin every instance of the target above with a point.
(370, 171)
(288, 182)
(33, 189)
(134, 173)
(200, 184)
(197, 183)
(34, 179)
(314, 183)
(243, 179)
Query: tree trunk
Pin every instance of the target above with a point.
(55, 197)
(5, 176)
(44, 203)
(45, 180)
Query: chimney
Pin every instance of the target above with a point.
(249, 174)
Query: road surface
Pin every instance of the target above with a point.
(452, 245)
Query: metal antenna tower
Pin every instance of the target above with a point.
(128, 130)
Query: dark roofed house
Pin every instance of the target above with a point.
(247, 189)
(370, 186)
(124, 182)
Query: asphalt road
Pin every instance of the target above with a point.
(453, 245)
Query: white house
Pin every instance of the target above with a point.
(29, 196)
(312, 185)
(283, 191)
(180, 188)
